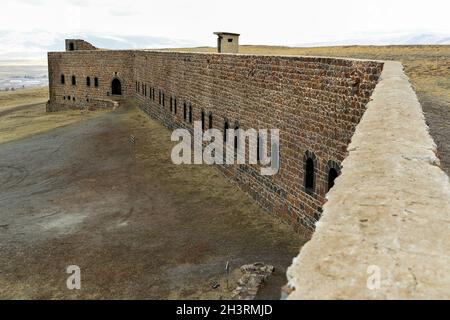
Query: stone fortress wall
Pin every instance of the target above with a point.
(389, 209)
(78, 79)
(316, 104)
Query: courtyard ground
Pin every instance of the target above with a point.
(137, 225)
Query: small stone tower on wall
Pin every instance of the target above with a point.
(227, 42)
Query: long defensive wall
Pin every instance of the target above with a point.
(389, 208)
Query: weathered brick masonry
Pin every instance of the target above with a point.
(315, 102)
(101, 66)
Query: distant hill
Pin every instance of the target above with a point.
(387, 39)
(35, 45)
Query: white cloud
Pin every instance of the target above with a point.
(123, 12)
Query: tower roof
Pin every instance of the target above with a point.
(226, 34)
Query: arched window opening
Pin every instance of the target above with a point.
(210, 120)
(71, 46)
(309, 175)
(96, 82)
(74, 81)
(332, 175)
(63, 79)
(116, 87)
(88, 81)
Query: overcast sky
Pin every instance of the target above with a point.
(287, 22)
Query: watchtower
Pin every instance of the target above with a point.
(227, 42)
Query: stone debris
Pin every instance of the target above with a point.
(253, 278)
(215, 285)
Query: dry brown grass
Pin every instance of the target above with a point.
(33, 120)
(427, 66)
(22, 114)
(12, 99)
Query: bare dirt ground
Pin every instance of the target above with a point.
(137, 225)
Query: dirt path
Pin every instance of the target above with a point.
(137, 225)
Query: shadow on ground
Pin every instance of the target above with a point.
(437, 115)
(137, 225)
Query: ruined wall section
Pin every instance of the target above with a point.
(100, 66)
(78, 44)
(315, 102)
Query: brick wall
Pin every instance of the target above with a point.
(103, 65)
(316, 104)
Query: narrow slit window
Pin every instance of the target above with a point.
(332, 175)
(258, 148)
(203, 120)
(236, 138)
(309, 175)
(226, 126)
(210, 120)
